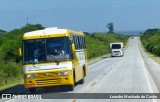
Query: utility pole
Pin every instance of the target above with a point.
(27, 20)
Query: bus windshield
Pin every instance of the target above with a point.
(116, 46)
(46, 50)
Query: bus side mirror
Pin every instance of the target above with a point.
(73, 47)
(19, 52)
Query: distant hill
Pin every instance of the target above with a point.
(124, 32)
(130, 32)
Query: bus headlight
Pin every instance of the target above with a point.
(31, 76)
(64, 73)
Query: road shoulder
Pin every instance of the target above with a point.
(153, 68)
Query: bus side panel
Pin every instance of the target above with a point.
(78, 73)
(78, 70)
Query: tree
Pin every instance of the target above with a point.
(110, 26)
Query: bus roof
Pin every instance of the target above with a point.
(49, 31)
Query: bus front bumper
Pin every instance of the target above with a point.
(50, 81)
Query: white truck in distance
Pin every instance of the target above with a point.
(117, 49)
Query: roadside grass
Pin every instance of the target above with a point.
(10, 74)
(12, 83)
(156, 58)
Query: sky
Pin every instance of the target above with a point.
(81, 15)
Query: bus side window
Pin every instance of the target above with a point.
(82, 42)
(74, 40)
(78, 42)
(77, 46)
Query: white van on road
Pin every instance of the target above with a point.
(117, 49)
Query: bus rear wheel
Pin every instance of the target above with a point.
(82, 80)
(32, 90)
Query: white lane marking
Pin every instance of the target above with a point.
(93, 84)
(147, 78)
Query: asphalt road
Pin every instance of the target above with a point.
(128, 74)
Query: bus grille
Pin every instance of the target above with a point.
(45, 75)
(45, 82)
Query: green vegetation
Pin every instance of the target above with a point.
(151, 41)
(11, 64)
(156, 58)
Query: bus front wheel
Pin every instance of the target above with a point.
(32, 90)
(71, 88)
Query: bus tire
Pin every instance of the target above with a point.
(32, 90)
(71, 88)
(84, 70)
(82, 80)
(74, 80)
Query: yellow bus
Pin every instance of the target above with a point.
(54, 57)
